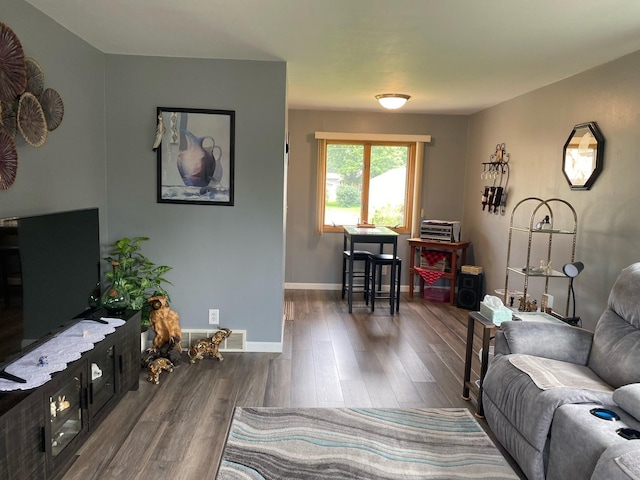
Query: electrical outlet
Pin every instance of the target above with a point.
(385, 269)
(214, 316)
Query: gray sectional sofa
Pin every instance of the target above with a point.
(546, 378)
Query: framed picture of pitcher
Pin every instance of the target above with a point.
(195, 150)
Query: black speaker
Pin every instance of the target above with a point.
(470, 291)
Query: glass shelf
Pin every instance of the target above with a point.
(102, 385)
(554, 273)
(65, 415)
(558, 232)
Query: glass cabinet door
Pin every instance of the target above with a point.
(102, 385)
(65, 413)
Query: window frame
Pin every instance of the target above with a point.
(414, 143)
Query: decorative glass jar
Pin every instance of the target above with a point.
(115, 298)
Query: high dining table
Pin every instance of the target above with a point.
(379, 235)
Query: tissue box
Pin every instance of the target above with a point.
(472, 269)
(496, 315)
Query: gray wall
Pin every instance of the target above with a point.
(215, 251)
(229, 258)
(68, 171)
(535, 127)
(314, 261)
(222, 257)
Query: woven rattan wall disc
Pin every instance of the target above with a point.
(35, 77)
(13, 74)
(31, 121)
(8, 118)
(52, 107)
(8, 161)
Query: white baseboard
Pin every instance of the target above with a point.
(264, 347)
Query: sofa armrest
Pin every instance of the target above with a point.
(628, 398)
(548, 340)
(501, 345)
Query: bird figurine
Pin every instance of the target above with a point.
(159, 133)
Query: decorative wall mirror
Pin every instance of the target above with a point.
(583, 155)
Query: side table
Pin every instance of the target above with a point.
(417, 244)
(469, 387)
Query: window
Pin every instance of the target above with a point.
(367, 180)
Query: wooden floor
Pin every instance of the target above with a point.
(176, 430)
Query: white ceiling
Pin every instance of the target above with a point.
(451, 56)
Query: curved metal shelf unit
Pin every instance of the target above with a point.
(543, 207)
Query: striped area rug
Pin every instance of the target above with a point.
(359, 443)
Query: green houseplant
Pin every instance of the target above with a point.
(141, 277)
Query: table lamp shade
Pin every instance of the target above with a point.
(573, 269)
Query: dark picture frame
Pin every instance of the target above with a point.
(583, 156)
(195, 156)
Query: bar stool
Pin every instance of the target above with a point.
(376, 263)
(358, 256)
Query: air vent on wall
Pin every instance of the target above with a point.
(235, 343)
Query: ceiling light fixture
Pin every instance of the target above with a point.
(392, 100)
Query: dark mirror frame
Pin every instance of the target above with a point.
(599, 156)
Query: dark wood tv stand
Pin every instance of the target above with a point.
(42, 428)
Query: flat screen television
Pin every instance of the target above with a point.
(49, 264)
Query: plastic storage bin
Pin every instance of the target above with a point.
(436, 294)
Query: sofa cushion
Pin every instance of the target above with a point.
(615, 352)
(616, 344)
(623, 298)
(628, 398)
(549, 340)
